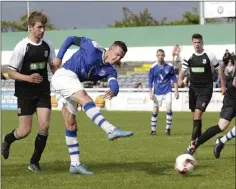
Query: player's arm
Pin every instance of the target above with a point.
(52, 56)
(174, 79)
(71, 40)
(184, 68)
(220, 68)
(15, 65)
(150, 82)
(113, 84)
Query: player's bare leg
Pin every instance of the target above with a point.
(24, 129)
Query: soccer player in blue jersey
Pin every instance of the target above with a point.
(160, 76)
(90, 62)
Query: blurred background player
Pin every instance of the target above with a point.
(160, 76)
(220, 141)
(228, 112)
(90, 63)
(200, 64)
(28, 67)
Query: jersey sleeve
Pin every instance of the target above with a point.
(185, 64)
(17, 57)
(173, 76)
(112, 80)
(213, 60)
(71, 40)
(52, 54)
(151, 76)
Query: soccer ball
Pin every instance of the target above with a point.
(185, 164)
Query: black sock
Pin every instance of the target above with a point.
(40, 143)
(209, 133)
(10, 137)
(197, 129)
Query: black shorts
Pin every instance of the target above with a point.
(228, 110)
(27, 106)
(199, 98)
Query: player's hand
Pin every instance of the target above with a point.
(35, 78)
(180, 83)
(152, 96)
(177, 94)
(222, 89)
(57, 62)
(109, 94)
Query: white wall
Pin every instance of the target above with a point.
(146, 53)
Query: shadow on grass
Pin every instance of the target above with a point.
(61, 167)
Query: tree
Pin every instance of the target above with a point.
(132, 20)
(21, 25)
(146, 19)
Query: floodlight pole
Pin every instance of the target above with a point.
(28, 11)
(202, 19)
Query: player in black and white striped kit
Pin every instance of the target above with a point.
(200, 64)
(28, 67)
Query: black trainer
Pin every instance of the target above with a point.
(153, 133)
(168, 133)
(34, 167)
(218, 147)
(5, 149)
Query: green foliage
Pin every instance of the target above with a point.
(21, 25)
(133, 20)
(145, 18)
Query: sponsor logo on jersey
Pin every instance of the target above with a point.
(37, 66)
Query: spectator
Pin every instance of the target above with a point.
(175, 54)
(229, 71)
(233, 56)
(226, 57)
(3, 77)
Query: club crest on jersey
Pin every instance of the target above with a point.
(45, 53)
(102, 73)
(166, 71)
(204, 61)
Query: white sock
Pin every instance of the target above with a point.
(94, 114)
(228, 136)
(73, 147)
(154, 122)
(169, 120)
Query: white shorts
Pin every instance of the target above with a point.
(159, 98)
(64, 84)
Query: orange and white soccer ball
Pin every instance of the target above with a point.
(185, 164)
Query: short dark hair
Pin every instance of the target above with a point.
(121, 44)
(161, 50)
(197, 36)
(37, 16)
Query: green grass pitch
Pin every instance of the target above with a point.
(139, 162)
